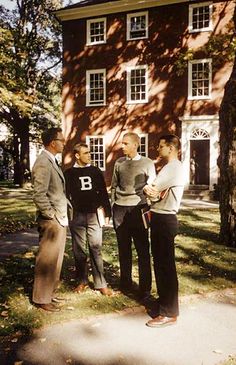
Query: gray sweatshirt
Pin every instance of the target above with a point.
(129, 178)
(171, 176)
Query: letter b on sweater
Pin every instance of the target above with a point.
(86, 182)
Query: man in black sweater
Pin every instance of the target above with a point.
(87, 192)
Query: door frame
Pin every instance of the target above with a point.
(210, 124)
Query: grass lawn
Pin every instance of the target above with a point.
(17, 210)
(203, 265)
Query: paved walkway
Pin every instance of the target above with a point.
(204, 335)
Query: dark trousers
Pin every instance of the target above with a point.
(164, 228)
(85, 229)
(129, 226)
(52, 239)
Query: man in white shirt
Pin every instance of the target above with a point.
(164, 227)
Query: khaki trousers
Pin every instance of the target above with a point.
(52, 239)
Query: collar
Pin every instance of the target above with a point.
(76, 165)
(52, 157)
(135, 158)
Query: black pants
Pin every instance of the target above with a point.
(164, 228)
(129, 226)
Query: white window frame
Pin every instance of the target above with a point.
(92, 21)
(200, 5)
(128, 27)
(89, 102)
(190, 91)
(97, 162)
(145, 137)
(129, 69)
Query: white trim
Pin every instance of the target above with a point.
(128, 91)
(199, 117)
(190, 17)
(199, 97)
(111, 7)
(128, 22)
(88, 138)
(88, 29)
(92, 72)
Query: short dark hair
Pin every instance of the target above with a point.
(49, 135)
(171, 139)
(78, 146)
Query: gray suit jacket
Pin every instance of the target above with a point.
(49, 189)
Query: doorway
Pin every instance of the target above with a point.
(199, 161)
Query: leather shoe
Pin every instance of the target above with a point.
(58, 300)
(161, 321)
(106, 291)
(49, 307)
(80, 288)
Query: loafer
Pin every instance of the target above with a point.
(58, 300)
(106, 291)
(80, 288)
(49, 307)
(161, 321)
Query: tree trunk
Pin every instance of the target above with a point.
(21, 152)
(227, 163)
(16, 159)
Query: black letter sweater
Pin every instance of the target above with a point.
(86, 189)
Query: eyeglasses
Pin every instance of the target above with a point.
(59, 139)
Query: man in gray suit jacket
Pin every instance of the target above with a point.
(50, 200)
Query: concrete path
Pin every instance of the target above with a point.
(204, 335)
(17, 242)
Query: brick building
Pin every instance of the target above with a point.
(145, 66)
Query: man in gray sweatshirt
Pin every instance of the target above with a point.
(131, 173)
(164, 227)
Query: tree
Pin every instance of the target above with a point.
(227, 159)
(29, 91)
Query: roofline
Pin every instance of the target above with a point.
(110, 8)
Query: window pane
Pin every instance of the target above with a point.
(97, 31)
(138, 26)
(200, 79)
(201, 17)
(138, 87)
(97, 151)
(97, 88)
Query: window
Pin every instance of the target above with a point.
(97, 149)
(137, 78)
(200, 17)
(137, 25)
(95, 87)
(96, 31)
(199, 79)
(143, 148)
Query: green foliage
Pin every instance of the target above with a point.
(30, 54)
(220, 47)
(29, 47)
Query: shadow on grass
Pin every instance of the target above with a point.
(201, 224)
(202, 265)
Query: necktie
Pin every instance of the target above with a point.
(57, 163)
